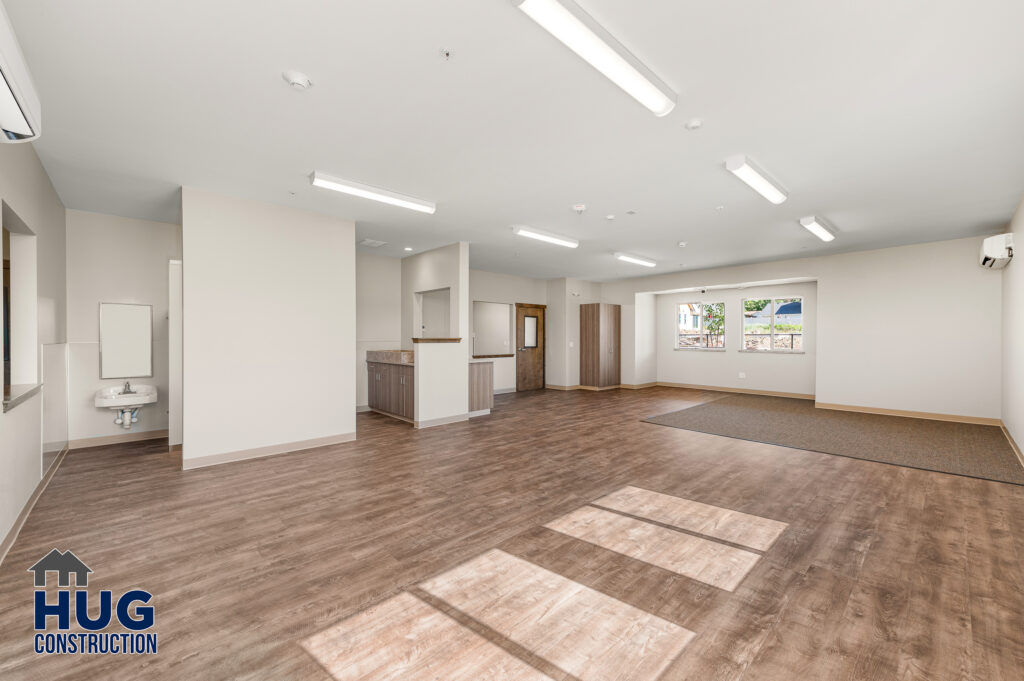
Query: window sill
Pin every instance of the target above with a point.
(700, 349)
(775, 352)
(16, 394)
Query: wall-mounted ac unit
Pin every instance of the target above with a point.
(19, 103)
(997, 251)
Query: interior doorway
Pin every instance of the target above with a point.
(530, 336)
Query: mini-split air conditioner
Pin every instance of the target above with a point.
(997, 251)
(19, 103)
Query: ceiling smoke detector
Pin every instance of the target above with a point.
(694, 124)
(580, 208)
(297, 80)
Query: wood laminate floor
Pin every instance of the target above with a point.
(264, 569)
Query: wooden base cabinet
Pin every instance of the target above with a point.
(390, 389)
(600, 355)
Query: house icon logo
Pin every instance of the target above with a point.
(130, 614)
(64, 564)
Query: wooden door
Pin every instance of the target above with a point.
(611, 325)
(590, 344)
(530, 337)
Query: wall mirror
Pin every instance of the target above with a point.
(126, 340)
(492, 329)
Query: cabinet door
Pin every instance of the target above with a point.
(371, 385)
(409, 394)
(387, 393)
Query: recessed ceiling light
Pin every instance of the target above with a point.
(719, 207)
(818, 228)
(373, 193)
(743, 168)
(682, 244)
(694, 124)
(635, 259)
(372, 243)
(609, 217)
(297, 79)
(531, 233)
(408, 248)
(578, 31)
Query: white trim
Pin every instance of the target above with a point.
(12, 534)
(430, 423)
(260, 452)
(131, 436)
(479, 412)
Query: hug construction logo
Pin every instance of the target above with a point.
(93, 640)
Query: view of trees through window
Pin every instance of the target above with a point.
(701, 325)
(773, 324)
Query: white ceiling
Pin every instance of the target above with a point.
(899, 122)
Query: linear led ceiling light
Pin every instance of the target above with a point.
(818, 228)
(743, 168)
(636, 260)
(531, 233)
(567, 21)
(373, 193)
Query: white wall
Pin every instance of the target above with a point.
(1013, 334)
(877, 341)
(492, 287)
(269, 310)
(767, 371)
(564, 299)
(442, 369)
(175, 404)
(431, 270)
(115, 260)
(25, 187)
(378, 312)
(557, 355)
(55, 397)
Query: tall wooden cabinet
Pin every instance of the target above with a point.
(600, 356)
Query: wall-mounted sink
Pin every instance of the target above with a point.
(114, 397)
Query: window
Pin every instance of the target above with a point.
(701, 325)
(773, 325)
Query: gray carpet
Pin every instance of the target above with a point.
(957, 448)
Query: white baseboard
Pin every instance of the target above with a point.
(430, 423)
(360, 408)
(130, 436)
(19, 522)
(503, 391)
(954, 418)
(260, 452)
(479, 412)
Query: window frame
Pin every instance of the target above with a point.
(701, 333)
(771, 326)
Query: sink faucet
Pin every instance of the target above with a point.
(127, 390)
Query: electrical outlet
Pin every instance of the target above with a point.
(743, 374)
